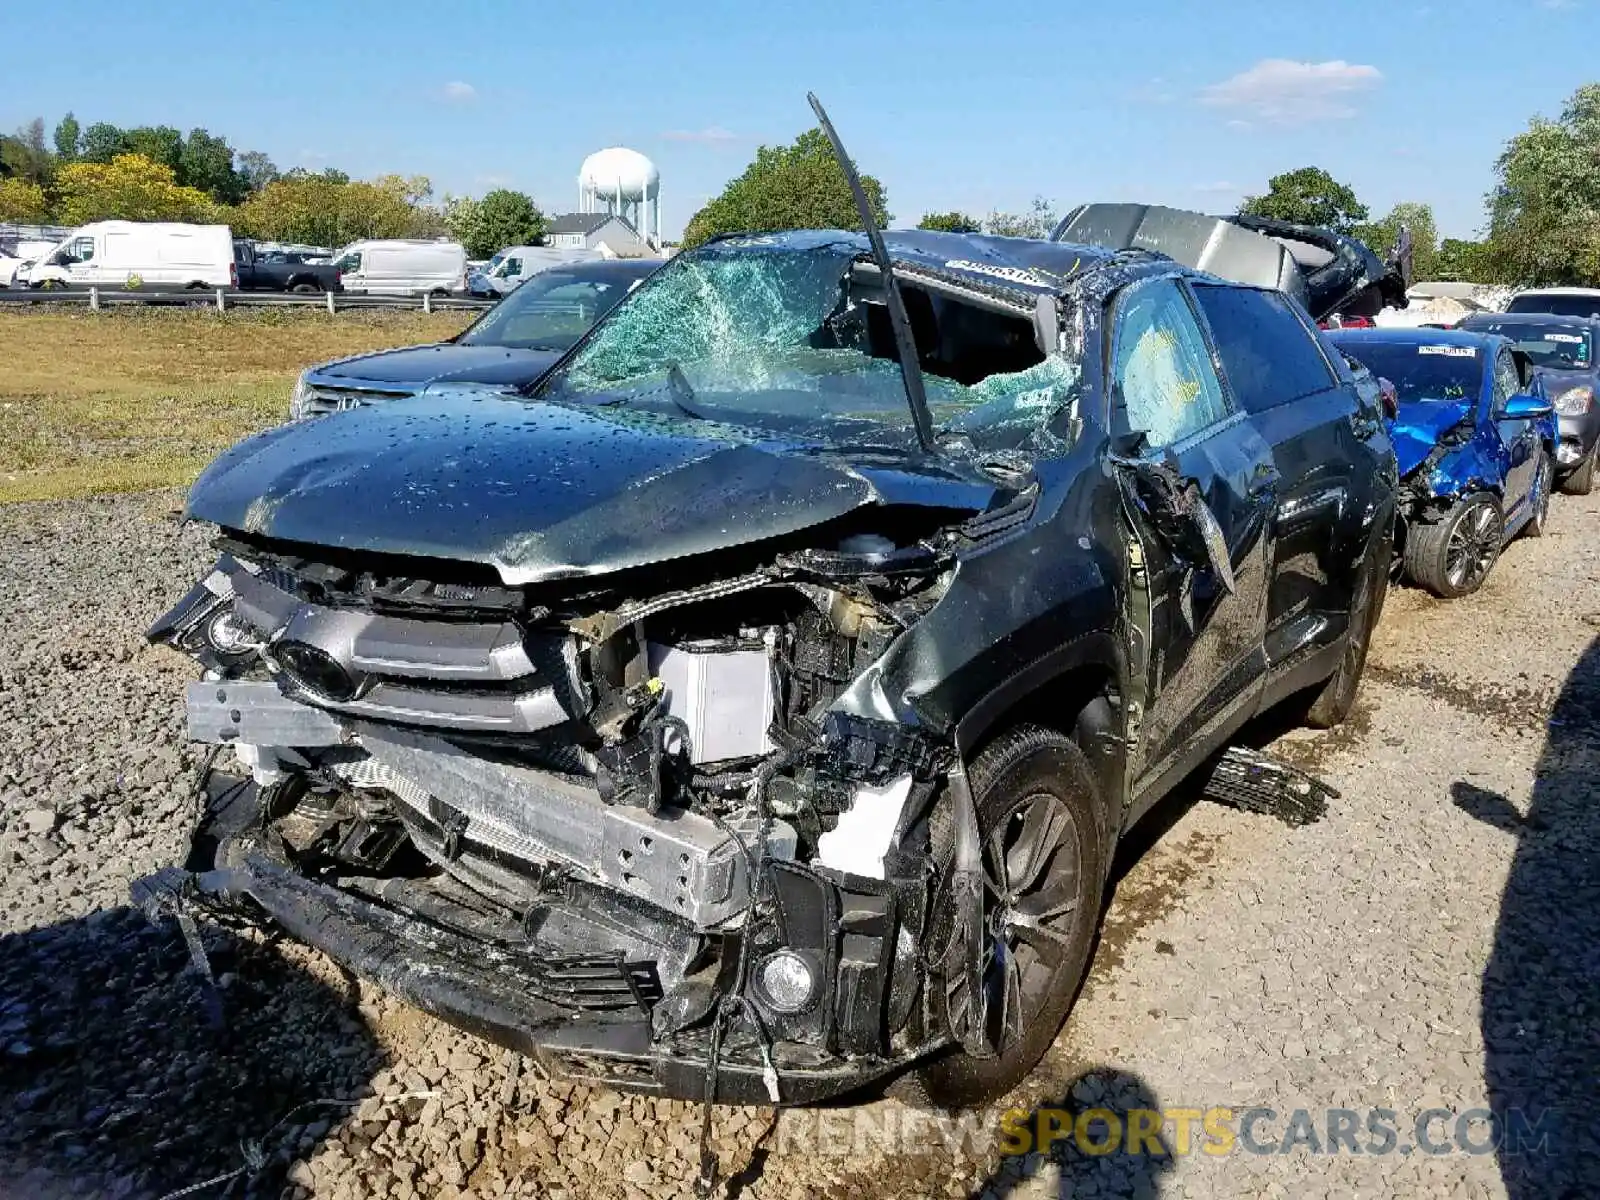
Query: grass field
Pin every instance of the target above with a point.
(135, 399)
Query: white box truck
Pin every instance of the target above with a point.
(403, 268)
(151, 255)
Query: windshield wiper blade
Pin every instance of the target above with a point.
(905, 344)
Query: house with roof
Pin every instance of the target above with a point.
(608, 233)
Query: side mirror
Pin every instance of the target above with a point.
(1526, 407)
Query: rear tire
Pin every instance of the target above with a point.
(304, 289)
(1337, 697)
(1044, 870)
(1539, 496)
(1452, 557)
(1581, 481)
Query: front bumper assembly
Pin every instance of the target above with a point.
(584, 1016)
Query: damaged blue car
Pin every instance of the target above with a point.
(1475, 440)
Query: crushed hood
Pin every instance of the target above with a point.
(418, 366)
(544, 491)
(1417, 427)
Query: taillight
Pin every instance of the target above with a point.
(233, 275)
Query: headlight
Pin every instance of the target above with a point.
(300, 399)
(1575, 402)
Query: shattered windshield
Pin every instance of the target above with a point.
(779, 335)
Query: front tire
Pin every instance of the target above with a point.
(1581, 481)
(1452, 557)
(1044, 871)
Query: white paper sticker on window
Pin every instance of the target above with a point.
(1450, 351)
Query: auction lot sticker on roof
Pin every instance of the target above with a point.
(1450, 351)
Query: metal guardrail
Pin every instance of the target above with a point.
(222, 299)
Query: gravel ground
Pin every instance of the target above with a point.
(1432, 942)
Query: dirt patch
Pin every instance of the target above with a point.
(1506, 704)
(1149, 892)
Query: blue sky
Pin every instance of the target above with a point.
(952, 105)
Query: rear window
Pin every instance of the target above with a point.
(1556, 305)
(1568, 347)
(1268, 355)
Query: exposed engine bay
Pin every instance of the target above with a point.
(644, 809)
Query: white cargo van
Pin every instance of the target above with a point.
(517, 264)
(155, 255)
(403, 268)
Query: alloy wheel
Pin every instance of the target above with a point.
(1474, 543)
(1031, 864)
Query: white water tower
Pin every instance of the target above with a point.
(625, 182)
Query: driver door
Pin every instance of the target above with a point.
(1206, 607)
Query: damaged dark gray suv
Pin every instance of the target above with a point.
(752, 711)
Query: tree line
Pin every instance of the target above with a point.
(1542, 215)
(79, 174)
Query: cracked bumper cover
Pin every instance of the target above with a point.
(491, 990)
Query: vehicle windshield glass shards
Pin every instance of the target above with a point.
(769, 334)
(1424, 372)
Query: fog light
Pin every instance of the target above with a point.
(786, 980)
(226, 635)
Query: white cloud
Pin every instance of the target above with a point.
(1219, 186)
(712, 134)
(458, 91)
(1281, 91)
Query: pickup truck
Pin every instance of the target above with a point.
(259, 273)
